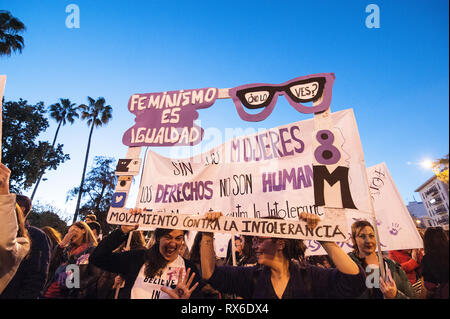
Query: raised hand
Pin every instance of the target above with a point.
(182, 290)
(68, 237)
(127, 228)
(118, 282)
(212, 216)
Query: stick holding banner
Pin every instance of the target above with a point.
(132, 152)
(233, 250)
(377, 236)
(328, 156)
(127, 248)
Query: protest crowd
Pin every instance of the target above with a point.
(129, 263)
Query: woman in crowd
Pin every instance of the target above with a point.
(248, 253)
(435, 263)
(410, 260)
(279, 274)
(14, 239)
(238, 253)
(396, 284)
(74, 249)
(32, 273)
(154, 273)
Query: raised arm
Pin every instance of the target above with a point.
(342, 261)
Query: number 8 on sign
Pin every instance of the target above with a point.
(326, 153)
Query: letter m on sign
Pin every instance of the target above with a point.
(340, 174)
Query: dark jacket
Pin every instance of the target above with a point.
(105, 285)
(404, 288)
(129, 263)
(31, 275)
(435, 276)
(434, 272)
(305, 282)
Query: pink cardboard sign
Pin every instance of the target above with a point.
(167, 118)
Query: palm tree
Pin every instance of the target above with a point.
(62, 112)
(97, 114)
(10, 27)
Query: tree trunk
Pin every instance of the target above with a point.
(84, 171)
(40, 176)
(99, 199)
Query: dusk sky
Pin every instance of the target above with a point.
(395, 77)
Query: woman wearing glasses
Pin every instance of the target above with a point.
(279, 274)
(155, 273)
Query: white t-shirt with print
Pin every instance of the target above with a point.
(150, 288)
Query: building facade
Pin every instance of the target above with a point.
(417, 209)
(435, 197)
(419, 214)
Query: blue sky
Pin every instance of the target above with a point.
(394, 77)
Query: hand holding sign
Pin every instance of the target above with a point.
(312, 220)
(68, 237)
(388, 286)
(126, 229)
(212, 216)
(182, 290)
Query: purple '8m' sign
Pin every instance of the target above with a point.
(167, 118)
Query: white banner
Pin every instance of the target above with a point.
(265, 174)
(396, 227)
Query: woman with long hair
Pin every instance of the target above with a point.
(73, 250)
(158, 272)
(14, 239)
(395, 283)
(435, 263)
(279, 274)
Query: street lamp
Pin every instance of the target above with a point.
(439, 168)
(428, 164)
